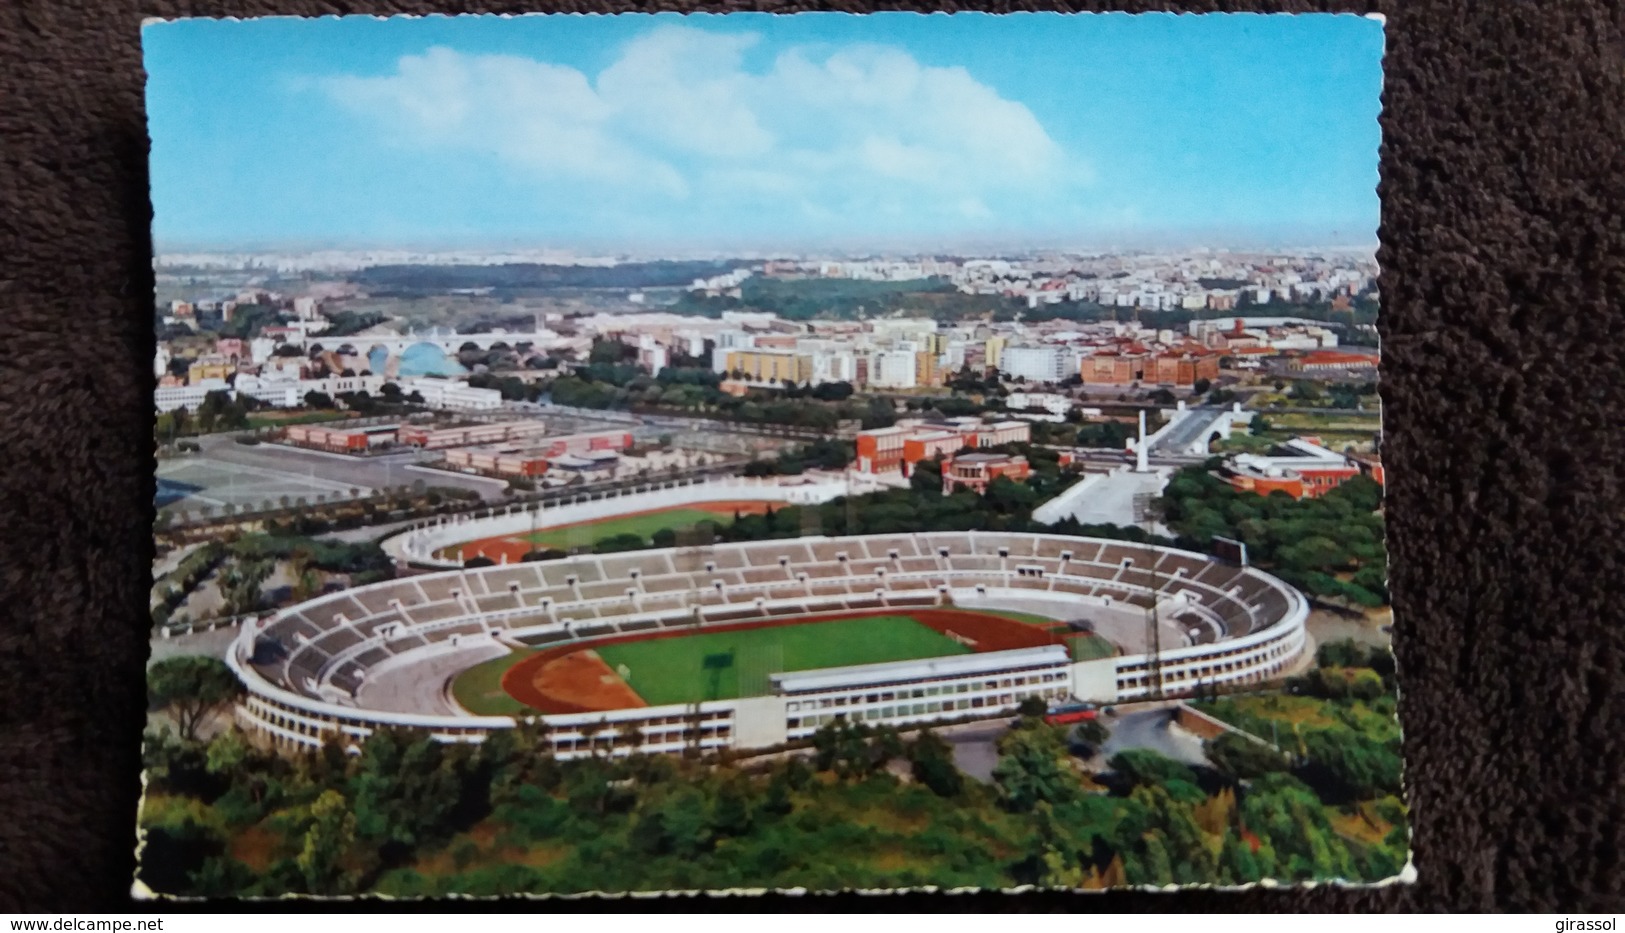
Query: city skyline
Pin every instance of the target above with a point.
(654, 134)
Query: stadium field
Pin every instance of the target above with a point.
(727, 662)
(687, 666)
(479, 689)
(727, 665)
(589, 534)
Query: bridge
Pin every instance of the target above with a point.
(1189, 430)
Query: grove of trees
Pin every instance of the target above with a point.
(1331, 546)
(865, 808)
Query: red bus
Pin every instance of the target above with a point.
(1071, 713)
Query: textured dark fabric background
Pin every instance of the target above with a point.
(1504, 258)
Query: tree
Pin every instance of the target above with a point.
(732, 809)
(1244, 758)
(314, 399)
(240, 585)
(932, 764)
(191, 687)
(1032, 768)
(328, 837)
(1010, 497)
(1144, 766)
(927, 476)
(1366, 767)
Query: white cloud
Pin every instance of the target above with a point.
(543, 118)
(857, 130)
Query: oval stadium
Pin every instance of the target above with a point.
(753, 644)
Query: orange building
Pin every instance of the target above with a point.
(1370, 465)
(340, 440)
(1112, 368)
(976, 471)
(1182, 369)
(930, 446)
(898, 448)
(880, 450)
(1303, 469)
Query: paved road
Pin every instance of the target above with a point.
(1149, 728)
(368, 532)
(365, 472)
(1110, 499)
(213, 643)
(173, 559)
(975, 746)
(1187, 430)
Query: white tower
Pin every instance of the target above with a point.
(1140, 463)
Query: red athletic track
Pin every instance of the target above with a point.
(988, 632)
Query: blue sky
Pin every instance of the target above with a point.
(672, 133)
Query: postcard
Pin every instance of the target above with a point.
(750, 453)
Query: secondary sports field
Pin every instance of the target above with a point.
(737, 660)
(588, 534)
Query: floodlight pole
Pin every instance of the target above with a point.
(1144, 512)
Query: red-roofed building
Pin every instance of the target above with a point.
(1303, 469)
(1112, 368)
(1182, 369)
(884, 450)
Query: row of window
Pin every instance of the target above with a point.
(1035, 679)
(802, 724)
(1136, 676)
(1240, 657)
(709, 735)
(712, 729)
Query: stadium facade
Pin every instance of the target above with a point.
(349, 662)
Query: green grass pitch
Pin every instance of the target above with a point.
(674, 670)
(588, 534)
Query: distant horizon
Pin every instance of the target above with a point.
(758, 253)
(805, 133)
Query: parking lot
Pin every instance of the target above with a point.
(195, 483)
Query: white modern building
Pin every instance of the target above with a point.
(894, 369)
(834, 366)
(1043, 364)
(169, 398)
(446, 393)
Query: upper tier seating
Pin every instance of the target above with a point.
(340, 636)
